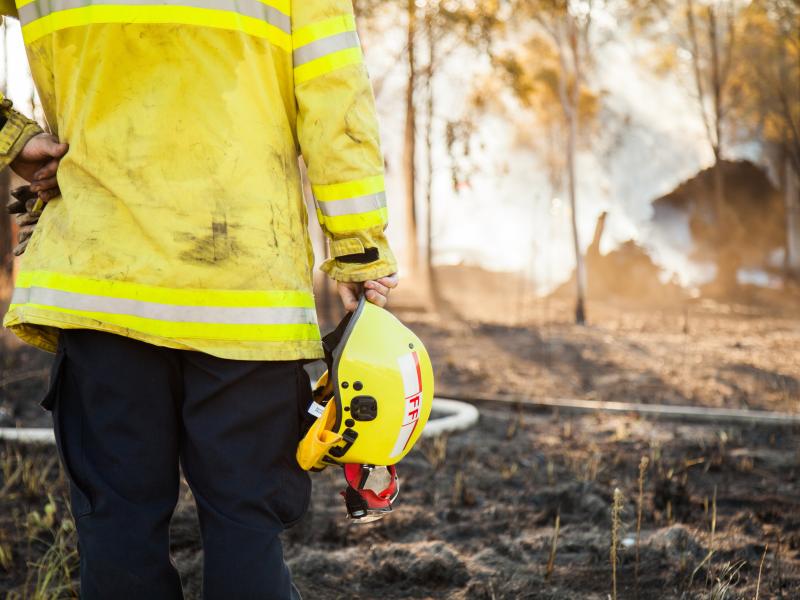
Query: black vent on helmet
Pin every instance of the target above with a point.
(364, 408)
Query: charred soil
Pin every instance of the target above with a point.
(477, 511)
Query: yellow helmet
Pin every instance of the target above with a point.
(372, 403)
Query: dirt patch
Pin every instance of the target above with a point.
(477, 510)
(707, 355)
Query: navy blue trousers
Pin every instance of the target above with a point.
(126, 414)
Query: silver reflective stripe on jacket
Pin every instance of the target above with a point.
(268, 315)
(328, 45)
(352, 206)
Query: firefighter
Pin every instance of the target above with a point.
(172, 277)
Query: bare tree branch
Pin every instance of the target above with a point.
(698, 78)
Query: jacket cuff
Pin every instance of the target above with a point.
(346, 263)
(15, 133)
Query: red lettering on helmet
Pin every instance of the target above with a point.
(411, 373)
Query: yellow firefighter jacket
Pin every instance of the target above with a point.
(182, 221)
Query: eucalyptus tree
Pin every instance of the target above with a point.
(769, 83)
(551, 73)
(741, 60)
(432, 31)
(699, 43)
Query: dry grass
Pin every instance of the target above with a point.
(727, 579)
(760, 570)
(709, 556)
(616, 510)
(515, 424)
(29, 476)
(639, 509)
(551, 561)
(6, 555)
(435, 451)
(51, 577)
(44, 547)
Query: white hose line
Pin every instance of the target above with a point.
(28, 435)
(698, 414)
(458, 416)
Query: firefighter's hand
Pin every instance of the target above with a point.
(38, 163)
(376, 291)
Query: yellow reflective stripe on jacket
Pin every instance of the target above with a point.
(265, 19)
(209, 314)
(348, 189)
(351, 205)
(164, 295)
(350, 223)
(325, 46)
(307, 34)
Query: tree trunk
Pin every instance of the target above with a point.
(580, 264)
(433, 291)
(728, 259)
(719, 192)
(593, 251)
(792, 199)
(566, 38)
(580, 267)
(409, 150)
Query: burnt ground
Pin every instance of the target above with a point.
(477, 510)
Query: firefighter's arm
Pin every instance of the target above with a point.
(16, 130)
(337, 129)
(34, 156)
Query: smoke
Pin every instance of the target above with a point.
(509, 218)
(19, 84)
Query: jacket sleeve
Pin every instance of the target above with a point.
(15, 131)
(337, 128)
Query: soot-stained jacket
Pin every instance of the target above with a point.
(181, 221)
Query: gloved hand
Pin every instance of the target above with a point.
(24, 204)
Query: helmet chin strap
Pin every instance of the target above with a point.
(330, 341)
(365, 505)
